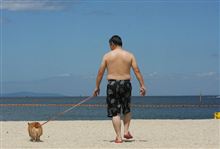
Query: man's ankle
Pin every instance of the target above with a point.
(119, 137)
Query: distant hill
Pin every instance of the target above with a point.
(31, 94)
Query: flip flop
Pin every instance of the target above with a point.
(118, 141)
(128, 136)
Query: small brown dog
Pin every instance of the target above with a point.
(35, 131)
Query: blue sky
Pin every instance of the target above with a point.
(57, 46)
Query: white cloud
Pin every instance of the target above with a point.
(64, 75)
(153, 74)
(88, 77)
(206, 74)
(182, 76)
(99, 12)
(25, 5)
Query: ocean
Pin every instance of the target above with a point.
(148, 107)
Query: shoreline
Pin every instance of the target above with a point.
(159, 133)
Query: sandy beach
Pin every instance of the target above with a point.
(99, 134)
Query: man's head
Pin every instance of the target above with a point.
(115, 41)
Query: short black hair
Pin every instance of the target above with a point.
(116, 40)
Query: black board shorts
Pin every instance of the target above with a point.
(118, 97)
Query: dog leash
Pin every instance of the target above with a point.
(67, 110)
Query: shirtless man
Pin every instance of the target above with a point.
(118, 63)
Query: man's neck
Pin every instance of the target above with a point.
(118, 48)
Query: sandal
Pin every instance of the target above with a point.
(118, 141)
(128, 136)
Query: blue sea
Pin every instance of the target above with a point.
(148, 107)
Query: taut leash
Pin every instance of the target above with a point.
(67, 110)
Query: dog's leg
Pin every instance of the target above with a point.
(35, 139)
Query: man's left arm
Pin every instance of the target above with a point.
(99, 76)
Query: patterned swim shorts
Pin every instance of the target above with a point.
(118, 97)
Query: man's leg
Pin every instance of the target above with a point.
(116, 120)
(127, 120)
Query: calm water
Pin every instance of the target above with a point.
(141, 110)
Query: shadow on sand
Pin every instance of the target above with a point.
(125, 141)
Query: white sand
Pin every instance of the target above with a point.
(99, 134)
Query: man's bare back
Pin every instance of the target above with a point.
(118, 64)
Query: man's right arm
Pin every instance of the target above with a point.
(138, 75)
(99, 76)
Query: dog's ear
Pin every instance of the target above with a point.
(29, 123)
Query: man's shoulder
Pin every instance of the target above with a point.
(107, 54)
(128, 53)
(110, 53)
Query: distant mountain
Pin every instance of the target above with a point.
(83, 85)
(72, 85)
(31, 94)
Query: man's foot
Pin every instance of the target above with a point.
(128, 136)
(118, 140)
